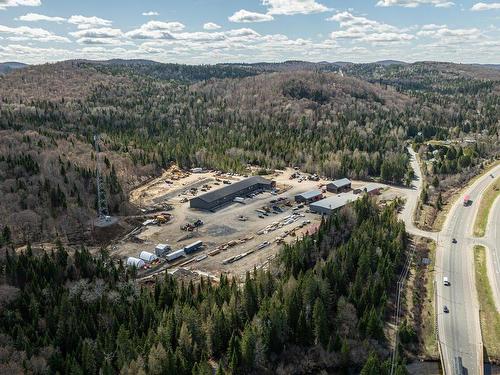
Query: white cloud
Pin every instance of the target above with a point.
(415, 3)
(103, 32)
(245, 16)
(103, 41)
(14, 3)
(432, 26)
(27, 33)
(485, 6)
(156, 30)
(450, 36)
(211, 26)
(35, 17)
(362, 29)
(290, 7)
(88, 22)
(159, 25)
(150, 13)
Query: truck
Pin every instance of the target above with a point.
(467, 201)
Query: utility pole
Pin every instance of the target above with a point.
(102, 202)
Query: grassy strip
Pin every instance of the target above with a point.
(485, 205)
(428, 331)
(489, 317)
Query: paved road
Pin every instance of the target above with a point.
(459, 330)
(412, 197)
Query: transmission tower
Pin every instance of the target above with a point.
(102, 202)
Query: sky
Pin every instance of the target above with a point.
(216, 31)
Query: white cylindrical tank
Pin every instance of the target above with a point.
(138, 263)
(147, 256)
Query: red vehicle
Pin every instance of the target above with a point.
(467, 201)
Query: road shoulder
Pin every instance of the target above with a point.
(489, 316)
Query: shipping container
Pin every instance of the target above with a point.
(195, 246)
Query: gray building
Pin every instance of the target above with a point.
(337, 186)
(226, 194)
(309, 196)
(329, 205)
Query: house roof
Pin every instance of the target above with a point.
(233, 188)
(341, 182)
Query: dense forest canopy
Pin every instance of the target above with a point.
(320, 307)
(351, 120)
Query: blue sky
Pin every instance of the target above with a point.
(212, 31)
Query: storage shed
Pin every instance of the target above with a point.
(329, 205)
(337, 186)
(147, 257)
(372, 189)
(135, 262)
(309, 196)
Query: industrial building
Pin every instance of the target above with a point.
(226, 194)
(309, 196)
(337, 186)
(329, 205)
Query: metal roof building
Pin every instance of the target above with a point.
(147, 256)
(372, 188)
(328, 205)
(339, 185)
(226, 194)
(135, 262)
(309, 196)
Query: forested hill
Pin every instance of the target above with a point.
(321, 309)
(223, 116)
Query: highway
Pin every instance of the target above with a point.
(459, 331)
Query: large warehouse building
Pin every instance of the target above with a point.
(226, 194)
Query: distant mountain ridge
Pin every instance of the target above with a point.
(7, 67)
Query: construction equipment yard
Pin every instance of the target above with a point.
(236, 237)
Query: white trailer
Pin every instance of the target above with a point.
(175, 254)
